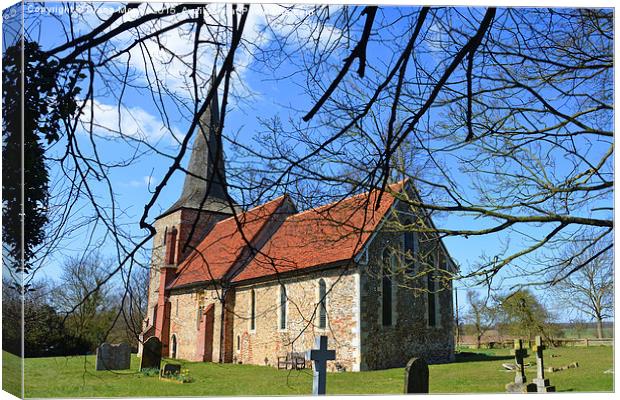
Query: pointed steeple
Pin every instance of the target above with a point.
(205, 182)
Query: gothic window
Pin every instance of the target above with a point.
(410, 250)
(282, 307)
(252, 310)
(386, 288)
(238, 342)
(322, 304)
(165, 239)
(174, 346)
(431, 286)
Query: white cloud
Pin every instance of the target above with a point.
(129, 122)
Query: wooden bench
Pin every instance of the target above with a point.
(296, 360)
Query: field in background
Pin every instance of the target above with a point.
(474, 372)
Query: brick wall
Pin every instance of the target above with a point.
(263, 345)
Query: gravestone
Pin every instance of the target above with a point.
(151, 353)
(520, 384)
(113, 357)
(542, 384)
(171, 369)
(320, 356)
(416, 376)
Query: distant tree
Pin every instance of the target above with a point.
(44, 333)
(523, 315)
(580, 327)
(586, 282)
(482, 314)
(131, 300)
(84, 297)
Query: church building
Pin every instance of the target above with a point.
(249, 286)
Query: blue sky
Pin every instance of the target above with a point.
(264, 98)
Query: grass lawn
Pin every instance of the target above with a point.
(11, 374)
(479, 372)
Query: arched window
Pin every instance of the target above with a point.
(410, 250)
(252, 310)
(165, 239)
(174, 346)
(282, 307)
(199, 317)
(322, 304)
(431, 286)
(386, 288)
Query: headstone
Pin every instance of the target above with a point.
(171, 369)
(416, 376)
(520, 384)
(542, 384)
(320, 356)
(113, 357)
(151, 353)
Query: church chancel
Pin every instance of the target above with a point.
(326, 271)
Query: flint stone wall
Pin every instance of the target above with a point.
(409, 335)
(263, 345)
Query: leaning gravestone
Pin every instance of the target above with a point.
(113, 356)
(151, 354)
(520, 384)
(416, 376)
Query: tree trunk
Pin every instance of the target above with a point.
(478, 337)
(599, 328)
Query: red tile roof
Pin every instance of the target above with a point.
(326, 235)
(218, 252)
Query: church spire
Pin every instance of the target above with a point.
(205, 182)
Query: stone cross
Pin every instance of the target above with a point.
(416, 376)
(542, 384)
(520, 353)
(520, 384)
(320, 356)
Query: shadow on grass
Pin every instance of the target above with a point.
(465, 356)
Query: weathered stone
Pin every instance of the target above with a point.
(416, 376)
(151, 353)
(514, 387)
(263, 345)
(520, 353)
(113, 356)
(569, 366)
(542, 384)
(170, 369)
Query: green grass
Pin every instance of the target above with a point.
(11, 374)
(478, 372)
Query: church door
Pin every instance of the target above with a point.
(205, 337)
